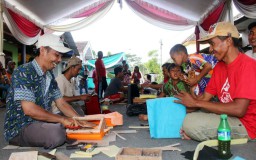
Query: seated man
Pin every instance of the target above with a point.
(116, 86)
(28, 117)
(231, 81)
(67, 86)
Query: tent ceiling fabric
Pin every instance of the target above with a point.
(44, 12)
(168, 14)
(192, 10)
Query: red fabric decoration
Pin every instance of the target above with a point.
(213, 17)
(157, 13)
(91, 11)
(26, 26)
(197, 33)
(247, 2)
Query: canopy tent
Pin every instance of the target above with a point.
(30, 18)
(110, 62)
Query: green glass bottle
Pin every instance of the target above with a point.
(224, 138)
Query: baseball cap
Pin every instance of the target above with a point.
(221, 29)
(72, 62)
(52, 41)
(251, 25)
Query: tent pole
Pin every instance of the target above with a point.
(230, 11)
(2, 59)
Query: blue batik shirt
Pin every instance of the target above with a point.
(29, 83)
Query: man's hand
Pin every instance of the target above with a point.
(68, 122)
(84, 123)
(85, 97)
(145, 85)
(186, 99)
(191, 81)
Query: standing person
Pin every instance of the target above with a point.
(10, 69)
(127, 75)
(136, 75)
(86, 73)
(83, 81)
(67, 86)
(198, 67)
(252, 40)
(28, 118)
(95, 80)
(101, 74)
(124, 63)
(4, 83)
(232, 82)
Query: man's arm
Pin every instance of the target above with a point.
(204, 97)
(154, 86)
(236, 108)
(77, 98)
(65, 108)
(36, 112)
(206, 68)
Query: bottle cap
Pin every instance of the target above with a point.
(223, 116)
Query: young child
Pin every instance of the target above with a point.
(172, 87)
(127, 74)
(198, 67)
(148, 79)
(174, 84)
(136, 75)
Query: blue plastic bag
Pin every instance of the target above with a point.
(165, 117)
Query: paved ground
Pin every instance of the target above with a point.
(140, 139)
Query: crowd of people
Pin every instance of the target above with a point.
(208, 85)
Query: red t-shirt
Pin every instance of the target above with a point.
(237, 80)
(101, 67)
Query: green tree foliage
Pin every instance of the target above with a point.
(133, 60)
(94, 54)
(153, 66)
(109, 53)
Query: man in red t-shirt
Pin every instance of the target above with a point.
(101, 74)
(232, 81)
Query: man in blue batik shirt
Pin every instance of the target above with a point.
(28, 119)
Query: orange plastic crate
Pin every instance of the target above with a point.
(96, 133)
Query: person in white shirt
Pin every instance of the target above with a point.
(252, 40)
(67, 86)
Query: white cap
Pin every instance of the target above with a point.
(52, 41)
